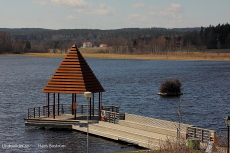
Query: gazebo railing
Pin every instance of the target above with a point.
(67, 109)
(61, 109)
(34, 112)
(81, 109)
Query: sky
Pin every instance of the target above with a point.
(112, 14)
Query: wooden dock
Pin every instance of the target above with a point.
(142, 131)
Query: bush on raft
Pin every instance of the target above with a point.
(171, 87)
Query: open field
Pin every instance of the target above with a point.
(96, 53)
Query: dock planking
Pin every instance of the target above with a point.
(134, 129)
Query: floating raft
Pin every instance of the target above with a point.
(170, 94)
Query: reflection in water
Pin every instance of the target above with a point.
(131, 84)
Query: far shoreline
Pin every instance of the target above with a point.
(191, 56)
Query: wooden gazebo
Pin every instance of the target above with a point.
(73, 76)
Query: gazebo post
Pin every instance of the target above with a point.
(72, 105)
(48, 104)
(75, 107)
(93, 104)
(58, 104)
(99, 106)
(54, 106)
(101, 102)
(90, 107)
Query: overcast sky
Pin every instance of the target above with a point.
(112, 14)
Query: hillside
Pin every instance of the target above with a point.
(121, 41)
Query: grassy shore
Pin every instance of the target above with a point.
(96, 53)
(175, 56)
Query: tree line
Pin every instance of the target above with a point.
(128, 40)
(212, 37)
(9, 46)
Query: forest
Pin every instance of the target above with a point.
(121, 41)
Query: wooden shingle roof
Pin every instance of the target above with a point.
(73, 76)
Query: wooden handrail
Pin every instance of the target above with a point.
(113, 117)
(203, 134)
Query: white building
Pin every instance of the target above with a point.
(103, 45)
(87, 44)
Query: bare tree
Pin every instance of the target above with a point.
(19, 46)
(5, 42)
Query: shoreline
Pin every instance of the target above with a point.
(192, 56)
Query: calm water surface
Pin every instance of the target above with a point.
(131, 84)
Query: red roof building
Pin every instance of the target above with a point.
(102, 45)
(87, 45)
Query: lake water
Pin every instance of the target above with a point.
(130, 84)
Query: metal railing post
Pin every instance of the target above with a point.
(34, 112)
(81, 109)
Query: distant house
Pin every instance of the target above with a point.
(87, 44)
(178, 43)
(103, 45)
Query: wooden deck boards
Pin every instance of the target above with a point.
(140, 133)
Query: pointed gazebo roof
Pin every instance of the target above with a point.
(73, 76)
